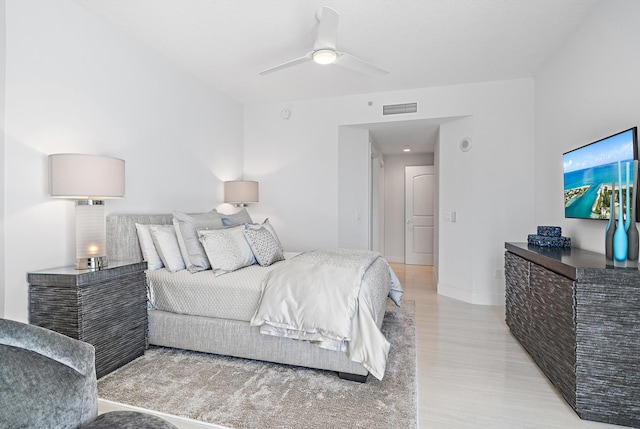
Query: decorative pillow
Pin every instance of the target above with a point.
(236, 219)
(149, 252)
(166, 242)
(269, 228)
(186, 226)
(264, 245)
(227, 249)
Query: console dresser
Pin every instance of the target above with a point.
(579, 319)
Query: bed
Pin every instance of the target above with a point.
(220, 322)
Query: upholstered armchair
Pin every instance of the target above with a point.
(48, 380)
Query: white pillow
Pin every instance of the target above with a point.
(264, 245)
(227, 249)
(186, 226)
(149, 252)
(166, 242)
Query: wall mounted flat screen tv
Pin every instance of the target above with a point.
(589, 171)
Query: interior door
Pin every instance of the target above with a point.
(419, 215)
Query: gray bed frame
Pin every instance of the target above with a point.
(220, 336)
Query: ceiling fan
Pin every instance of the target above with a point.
(324, 49)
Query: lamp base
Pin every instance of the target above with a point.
(91, 263)
(90, 235)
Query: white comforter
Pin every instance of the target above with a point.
(319, 297)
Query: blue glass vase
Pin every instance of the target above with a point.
(620, 243)
(633, 238)
(611, 226)
(627, 213)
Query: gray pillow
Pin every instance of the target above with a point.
(236, 219)
(267, 225)
(264, 245)
(187, 226)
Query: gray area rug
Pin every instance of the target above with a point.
(241, 393)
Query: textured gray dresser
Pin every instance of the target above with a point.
(580, 322)
(106, 308)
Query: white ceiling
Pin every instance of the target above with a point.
(421, 43)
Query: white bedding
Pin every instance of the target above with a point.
(343, 314)
(231, 296)
(322, 297)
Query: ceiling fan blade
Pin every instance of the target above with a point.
(327, 30)
(288, 64)
(354, 63)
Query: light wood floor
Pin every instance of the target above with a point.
(471, 372)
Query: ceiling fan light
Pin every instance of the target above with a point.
(325, 56)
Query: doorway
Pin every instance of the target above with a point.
(419, 215)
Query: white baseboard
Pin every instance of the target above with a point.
(468, 296)
(395, 259)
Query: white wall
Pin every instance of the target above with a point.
(354, 165)
(2, 107)
(455, 193)
(489, 187)
(394, 201)
(436, 207)
(296, 162)
(76, 84)
(587, 91)
(376, 225)
(291, 160)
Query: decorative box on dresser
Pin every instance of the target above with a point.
(580, 321)
(106, 308)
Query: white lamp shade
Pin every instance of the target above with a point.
(78, 176)
(240, 191)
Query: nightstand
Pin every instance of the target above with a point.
(106, 308)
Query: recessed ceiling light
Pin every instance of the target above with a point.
(406, 149)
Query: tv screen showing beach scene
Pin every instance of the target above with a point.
(590, 170)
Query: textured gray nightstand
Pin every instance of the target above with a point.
(106, 308)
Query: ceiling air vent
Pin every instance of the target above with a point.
(396, 109)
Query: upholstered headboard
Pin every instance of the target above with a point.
(122, 237)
